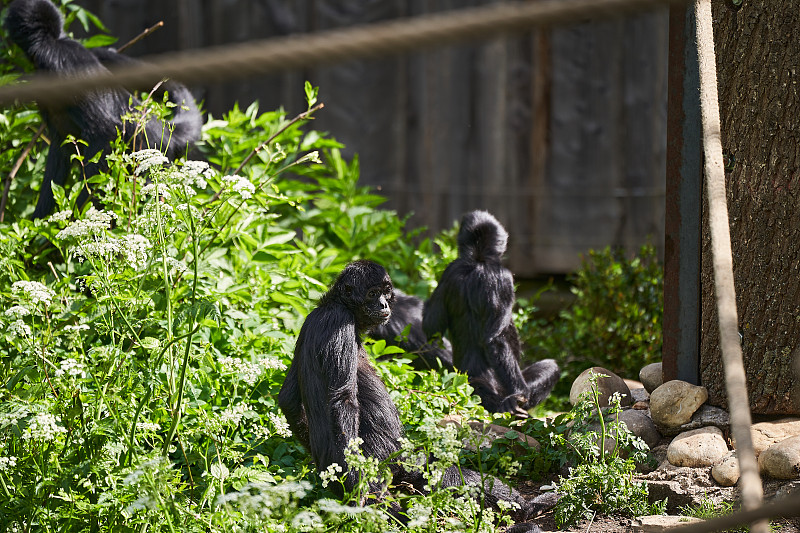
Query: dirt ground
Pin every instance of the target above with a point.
(603, 524)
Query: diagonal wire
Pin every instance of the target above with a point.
(303, 50)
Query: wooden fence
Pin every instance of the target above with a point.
(560, 133)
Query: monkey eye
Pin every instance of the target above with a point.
(372, 294)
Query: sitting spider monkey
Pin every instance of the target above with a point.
(332, 393)
(473, 304)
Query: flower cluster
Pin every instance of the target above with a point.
(93, 224)
(280, 424)
(263, 500)
(240, 185)
(144, 160)
(331, 473)
(71, 367)
(44, 427)
(34, 291)
(7, 463)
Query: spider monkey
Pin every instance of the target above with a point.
(473, 304)
(36, 26)
(332, 393)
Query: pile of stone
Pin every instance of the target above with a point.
(691, 440)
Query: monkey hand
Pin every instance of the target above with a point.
(515, 404)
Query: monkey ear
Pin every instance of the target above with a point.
(348, 289)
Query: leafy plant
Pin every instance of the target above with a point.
(614, 321)
(603, 463)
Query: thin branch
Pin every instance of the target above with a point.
(141, 36)
(301, 116)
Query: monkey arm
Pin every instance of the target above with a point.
(339, 363)
(434, 314)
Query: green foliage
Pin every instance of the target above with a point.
(603, 454)
(614, 321)
(708, 509)
(142, 346)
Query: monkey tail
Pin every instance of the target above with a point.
(481, 237)
(34, 25)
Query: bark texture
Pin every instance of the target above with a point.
(758, 62)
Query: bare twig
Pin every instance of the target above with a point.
(302, 116)
(141, 36)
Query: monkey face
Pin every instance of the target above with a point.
(377, 304)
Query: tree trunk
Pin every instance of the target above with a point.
(758, 70)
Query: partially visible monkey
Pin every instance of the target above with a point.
(407, 313)
(36, 26)
(332, 393)
(473, 306)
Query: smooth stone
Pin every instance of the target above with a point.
(673, 403)
(697, 448)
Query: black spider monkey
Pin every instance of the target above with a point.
(407, 313)
(36, 26)
(332, 393)
(474, 302)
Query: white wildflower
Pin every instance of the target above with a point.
(7, 463)
(280, 424)
(331, 473)
(60, 216)
(197, 172)
(233, 414)
(246, 371)
(156, 189)
(42, 426)
(273, 363)
(240, 185)
(312, 157)
(34, 291)
(76, 328)
(148, 426)
(20, 328)
(134, 248)
(147, 159)
(307, 521)
(71, 367)
(93, 223)
(17, 311)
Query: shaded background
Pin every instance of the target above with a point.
(561, 133)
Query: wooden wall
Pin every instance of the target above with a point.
(560, 133)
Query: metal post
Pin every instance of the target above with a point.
(681, 328)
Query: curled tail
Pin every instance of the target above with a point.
(34, 25)
(481, 238)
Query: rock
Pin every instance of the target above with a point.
(659, 523)
(683, 486)
(606, 386)
(651, 377)
(781, 460)
(765, 434)
(726, 472)
(640, 425)
(706, 415)
(697, 448)
(640, 395)
(673, 403)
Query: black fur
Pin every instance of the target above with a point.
(407, 311)
(472, 305)
(332, 393)
(36, 27)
